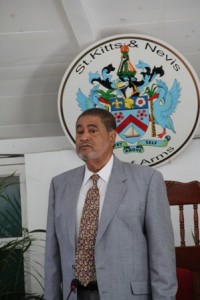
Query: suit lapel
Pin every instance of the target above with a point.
(114, 196)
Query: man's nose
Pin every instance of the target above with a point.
(85, 136)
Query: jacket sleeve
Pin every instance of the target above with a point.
(53, 275)
(160, 241)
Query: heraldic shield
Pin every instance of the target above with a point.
(132, 117)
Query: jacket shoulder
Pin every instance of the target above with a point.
(140, 170)
(72, 173)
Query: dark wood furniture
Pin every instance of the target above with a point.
(187, 257)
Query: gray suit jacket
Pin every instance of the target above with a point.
(135, 257)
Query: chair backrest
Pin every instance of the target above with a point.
(181, 194)
(187, 257)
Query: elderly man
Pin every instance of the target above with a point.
(109, 225)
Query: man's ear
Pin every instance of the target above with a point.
(113, 136)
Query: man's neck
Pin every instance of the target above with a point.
(95, 165)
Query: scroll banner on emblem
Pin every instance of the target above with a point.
(148, 86)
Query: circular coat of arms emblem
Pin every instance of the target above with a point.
(147, 85)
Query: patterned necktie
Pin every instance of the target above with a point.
(85, 265)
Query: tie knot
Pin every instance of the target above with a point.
(94, 178)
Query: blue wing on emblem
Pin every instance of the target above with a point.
(83, 102)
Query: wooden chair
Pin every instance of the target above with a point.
(187, 257)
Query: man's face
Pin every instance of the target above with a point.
(93, 141)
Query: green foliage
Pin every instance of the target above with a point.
(16, 263)
(10, 207)
(150, 91)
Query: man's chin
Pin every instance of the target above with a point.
(89, 156)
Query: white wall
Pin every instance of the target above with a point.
(41, 167)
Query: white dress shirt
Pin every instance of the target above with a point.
(104, 176)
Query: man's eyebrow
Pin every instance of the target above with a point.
(78, 125)
(88, 126)
(92, 125)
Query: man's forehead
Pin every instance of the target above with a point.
(89, 121)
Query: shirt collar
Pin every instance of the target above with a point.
(104, 173)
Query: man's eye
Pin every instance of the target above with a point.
(93, 131)
(79, 132)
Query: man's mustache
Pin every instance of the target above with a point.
(85, 144)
